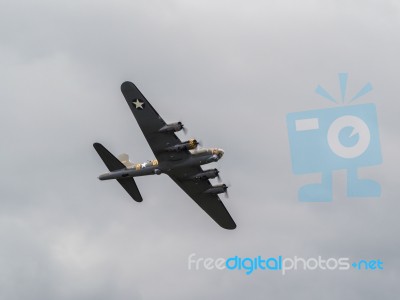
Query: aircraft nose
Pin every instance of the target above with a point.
(221, 152)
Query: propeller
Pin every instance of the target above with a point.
(226, 190)
(183, 128)
(185, 131)
(226, 194)
(199, 143)
(218, 177)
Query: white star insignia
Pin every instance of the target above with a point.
(138, 104)
(143, 165)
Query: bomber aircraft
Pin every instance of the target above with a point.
(179, 160)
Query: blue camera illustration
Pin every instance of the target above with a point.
(324, 140)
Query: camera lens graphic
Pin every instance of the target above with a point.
(359, 127)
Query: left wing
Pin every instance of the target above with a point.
(210, 203)
(150, 122)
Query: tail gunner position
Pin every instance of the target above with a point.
(179, 160)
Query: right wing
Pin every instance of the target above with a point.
(210, 203)
(150, 122)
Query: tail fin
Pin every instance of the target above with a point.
(113, 164)
(124, 158)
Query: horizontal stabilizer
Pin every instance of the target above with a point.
(130, 186)
(109, 160)
(114, 164)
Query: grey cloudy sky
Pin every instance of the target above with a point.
(231, 70)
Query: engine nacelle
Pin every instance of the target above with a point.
(207, 174)
(217, 189)
(173, 127)
(188, 145)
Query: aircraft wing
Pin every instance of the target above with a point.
(150, 123)
(210, 203)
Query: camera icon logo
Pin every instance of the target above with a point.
(324, 140)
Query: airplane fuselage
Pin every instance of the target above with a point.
(151, 167)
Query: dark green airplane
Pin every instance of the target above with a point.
(179, 160)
